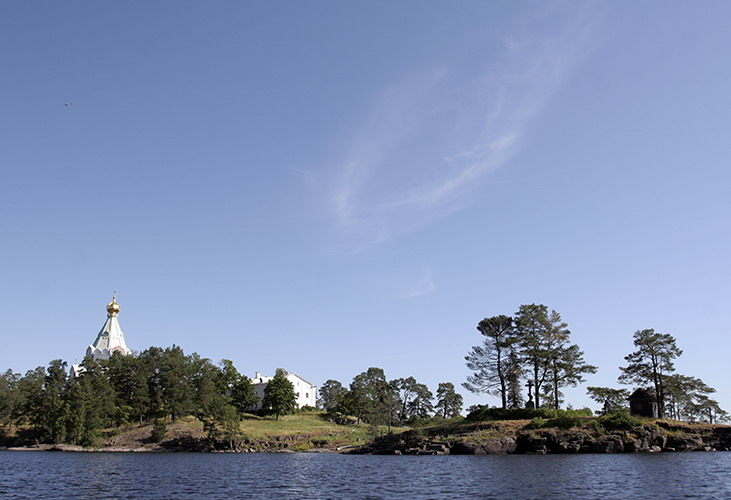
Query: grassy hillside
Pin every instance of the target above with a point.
(298, 432)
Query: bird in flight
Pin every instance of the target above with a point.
(68, 104)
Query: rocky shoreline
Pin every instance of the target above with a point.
(481, 438)
(661, 437)
(192, 444)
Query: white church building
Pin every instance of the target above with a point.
(110, 339)
(305, 392)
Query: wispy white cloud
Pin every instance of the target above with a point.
(430, 139)
(423, 286)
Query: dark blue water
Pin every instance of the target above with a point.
(40, 475)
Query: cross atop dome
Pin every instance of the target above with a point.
(113, 307)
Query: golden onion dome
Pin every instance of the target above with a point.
(113, 307)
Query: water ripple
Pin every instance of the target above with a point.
(39, 475)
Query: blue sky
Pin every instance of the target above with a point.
(329, 186)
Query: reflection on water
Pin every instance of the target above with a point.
(301, 475)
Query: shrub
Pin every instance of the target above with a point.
(536, 423)
(620, 421)
(421, 421)
(479, 413)
(485, 413)
(575, 412)
(375, 431)
(594, 426)
(159, 430)
(564, 422)
(439, 420)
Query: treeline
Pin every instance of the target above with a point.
(154, 384)
(50, 405)
(372, 398)
(651, 367)
(533, 349)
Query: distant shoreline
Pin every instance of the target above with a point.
(69, 448)
(477, 438)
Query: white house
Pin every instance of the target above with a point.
(305, 392)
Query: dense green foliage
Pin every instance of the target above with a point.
(687, 398)
(483, 413)
(279, 397)
(620, 421)
(159, 431)
(53, 406)
(415, 399)
(159, 385)
(373, 399)
(611, 399)
(331, 395)
(582, 418)
(449, 402)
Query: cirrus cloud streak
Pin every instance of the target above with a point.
(429, 140)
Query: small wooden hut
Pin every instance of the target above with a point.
(642, 404)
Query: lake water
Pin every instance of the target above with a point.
(39, 475)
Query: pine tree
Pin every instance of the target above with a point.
(651, 363)
(449, 402)
(612, 400)
(243, 395)
(539, 336)
(491, 362)
(331, 393)
(551, 361)
(279, 397)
